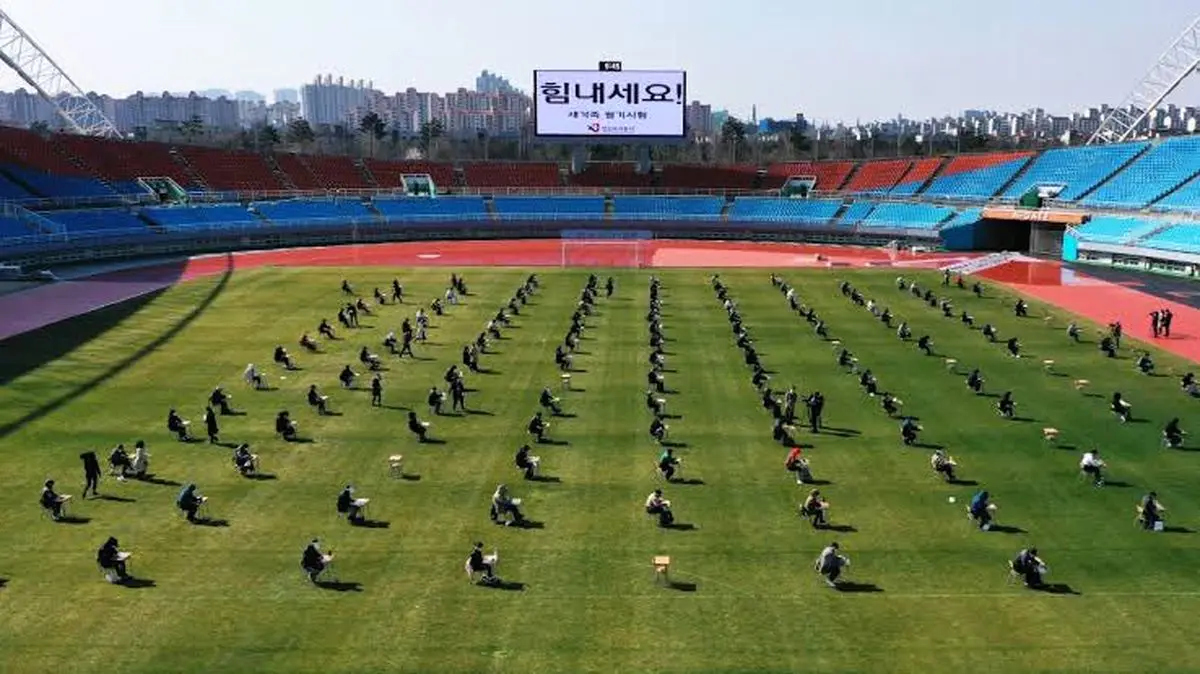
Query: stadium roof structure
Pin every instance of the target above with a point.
(33, 65)
(1181, 59)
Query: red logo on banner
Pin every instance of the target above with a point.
(594, 127)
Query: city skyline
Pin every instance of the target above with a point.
(859, 59)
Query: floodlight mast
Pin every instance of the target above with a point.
(19, 52)
(1181, 59)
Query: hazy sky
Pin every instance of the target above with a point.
(831, 59)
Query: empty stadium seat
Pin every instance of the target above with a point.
(99, 222)
(1079, 168)
(59, 186)
(213, 216)
(1182, 238)
(335, 172)
(31, 150)
(877, 177)
(123, 162)
(1161, 169)
(742, 176)
(299, 172)
(538, 208)
(1112, 229)
(512, 174)
(11, 228)
(667, 208)
(314, 211)
(907, 216)
(611, 174)
(766, 209)
(419, 209)
(830, 175)
(855, 212)
(10, 191)
(232, 170)
(977, 176)
(916, 176)
(967, 216)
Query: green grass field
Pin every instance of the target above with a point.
(233, 598)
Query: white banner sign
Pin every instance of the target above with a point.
(629, 104)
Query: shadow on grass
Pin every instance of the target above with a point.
(504, 585)
(1005, 529)
(132, 583)
(433, 441)
(408, 477)
(54, 341)
(546, 478)
(1057, 588)
(1177, 530)
(339, 585)
(839, 528)
(214, 523)
(151, 478)
(1117, 484)
(372, 524)
(116, 499)
(964, 483)
(691, 481)
(480, 413)
(262, 477)
(855, 588)
(528, 524)
(674, 445)
(1025, 420)
(681, 586)
(681, 526)
(553, 443)
(72, 519)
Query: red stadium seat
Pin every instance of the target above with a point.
(739, 176)
(512, 174)
(830, 175)
(916, 176)
(124, 161)
(611, 174)
(30, 149)
(878, 176)
(298, 172)
(387, 173)
(335, 172)
(232, 170)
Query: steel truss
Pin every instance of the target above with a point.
(19, 52)
(1179, 61)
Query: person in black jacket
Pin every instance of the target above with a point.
(52, 501)
(314, 561)
(91, 473)
(110, 558)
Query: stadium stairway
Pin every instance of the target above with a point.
(1185, 184)
(366, 173)
(278, 171)
(190, 170)
(1115, 173)
(16, 179)
(728, 206)
(82, 165)
(1016, 176)
(489, 206)
(154, 226)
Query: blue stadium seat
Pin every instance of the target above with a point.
(58, 186)
(1079, 168)
(764, 209)
(211, 216)
(10, 191)
(907, 216)
(856, 211)
(539, 208)
(981, 183)
(431, 209)
(99, 222)
(12, 228)
(1178, 238)
(1117, 230)
(1186, 198)
(314, 211)
(668, 208)
(1155, 173)
(968, 216)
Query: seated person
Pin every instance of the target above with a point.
(668, 464)
(308, 343)
(369, 359)
(504, 504)
(977, 289)
(981, 510)
(781, 431)
(1073, 332)
(925, 343)
(1093, 466)
(908, 430)
(967, 319)
(830, 564)
(1150, 512)
(1188, 384)
(219, 399)
(943, 464)
(111, 559)
(868, 382)
(658, 429)
(285, 427)
(989, 332)
(51, 501)
(247, 463)
(326, 330)
(890, 404)
(417, 427)
(1006, 406)
(141, 460)
(527, 462)
(362, 306)
(477, 562)
(902, 331)
(795, 463)
(119, 461)
(655, 404)
(1020, 309)
(313, 561)
(177, 425)
(189, 501)
(315, 399)
(537, 427)
(282, 357)
(350, 506)
(252, 377)
(814, 508)
(1121, 407)
(1014, 347)
(1108, 347)
(390, 342)
(1172, 434)
(1144, 364)
(845, 359)
(347, 377)
(657, 505)
(1028, 565)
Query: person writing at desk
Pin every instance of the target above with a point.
(314, 561)
(52, 501)
(112, 561)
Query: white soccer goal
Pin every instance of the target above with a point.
(603, 253)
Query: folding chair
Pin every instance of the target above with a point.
(951, 364)
(1081, 384)
(662, 569)
(1048, 366)
(396, 466)
(566, 381)
(1050, 434)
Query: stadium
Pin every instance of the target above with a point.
(921, 359)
